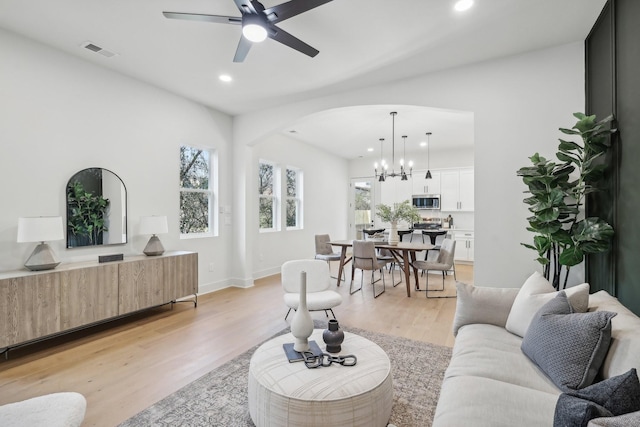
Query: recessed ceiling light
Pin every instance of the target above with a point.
(423, 144)
(225, 78)
(369, 149)
(463, 5)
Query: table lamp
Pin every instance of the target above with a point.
(40, 229)
(153, 225)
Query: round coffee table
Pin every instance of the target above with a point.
(290, 394)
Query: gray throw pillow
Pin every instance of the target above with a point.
(568, 347)
(615, 396)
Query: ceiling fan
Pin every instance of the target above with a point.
(258, 23)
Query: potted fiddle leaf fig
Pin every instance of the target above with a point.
(404, 211)
(556, 197)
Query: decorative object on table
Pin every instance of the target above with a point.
(296, 356)
(313, 361)
(333, 336)
(383, 164)
(302, 323)
(562, 238)
(40, 229)
(110, 258)
(403, 211)
(153, 225)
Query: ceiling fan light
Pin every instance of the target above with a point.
(254, 32)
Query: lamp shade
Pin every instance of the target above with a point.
(40, 229)
(153, 225)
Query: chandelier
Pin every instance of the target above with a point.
(384, 167)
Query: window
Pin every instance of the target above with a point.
(268, 191)
(294, 198)
(197, 196)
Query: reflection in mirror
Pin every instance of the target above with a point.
(96, 209)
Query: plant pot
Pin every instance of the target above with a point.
(394, 239)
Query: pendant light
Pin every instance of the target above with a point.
(428, 175)
(383, 172)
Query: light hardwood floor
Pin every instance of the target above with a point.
(125, 366)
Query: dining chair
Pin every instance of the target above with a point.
(324, 251)
(368, 234)
(365, 258)
(443, 264)
(402, 233)
(319, 295)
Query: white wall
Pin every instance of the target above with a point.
(518, 102)
(60, 114)
(326, 197)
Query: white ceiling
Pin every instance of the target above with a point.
(361, 42)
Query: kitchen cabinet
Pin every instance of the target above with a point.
(464, 245)
(457, 190)
(393, 191)
(420, 185)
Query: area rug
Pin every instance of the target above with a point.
(219, 398)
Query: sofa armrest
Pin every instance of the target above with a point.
(482, 305)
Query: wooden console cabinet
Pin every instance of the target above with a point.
(34, 305)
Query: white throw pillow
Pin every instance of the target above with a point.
(536, 292)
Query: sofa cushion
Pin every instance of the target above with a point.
(625, 336)
(484, 402)
(477, 304)
(626, 420)
(491, 352)
(568, 347)
(615, 396)
(536, 292)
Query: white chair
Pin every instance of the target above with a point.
(319, 296)
(443, 264)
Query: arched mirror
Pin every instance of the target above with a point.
(96, 209)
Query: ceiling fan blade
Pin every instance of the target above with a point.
(291, 8)
(287, 39)
(243, 48)
(218, 19)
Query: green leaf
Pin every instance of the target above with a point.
(571, 256)
(569, 159)
(543, 261)
(568, 146)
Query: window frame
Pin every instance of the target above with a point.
(274, 197)
(298, 198)
(211, 192)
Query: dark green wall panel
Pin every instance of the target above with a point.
(613, 82)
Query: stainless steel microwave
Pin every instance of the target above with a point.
(426, 201)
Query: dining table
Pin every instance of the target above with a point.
(403, 252)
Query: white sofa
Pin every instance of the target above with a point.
(491, 382)
(52, 410)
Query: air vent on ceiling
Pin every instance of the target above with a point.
(97, 49)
